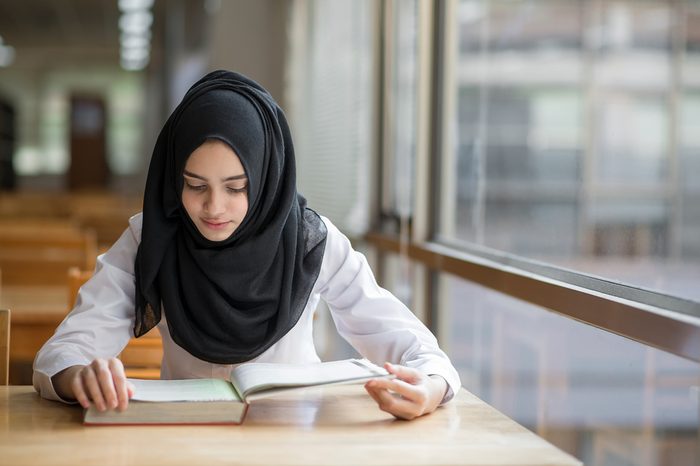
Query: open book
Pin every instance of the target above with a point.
(217, 401)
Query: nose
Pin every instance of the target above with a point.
(214, 204)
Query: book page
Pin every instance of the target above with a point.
(183, 390)
(255, 377)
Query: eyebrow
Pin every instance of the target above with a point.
(230, 178)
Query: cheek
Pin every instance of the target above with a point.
(242, 207)
(189, 203)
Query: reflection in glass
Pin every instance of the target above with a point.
(689, 146)
(575, 137)
(602, 398)
(631, 143)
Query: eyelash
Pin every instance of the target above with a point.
(203, 187)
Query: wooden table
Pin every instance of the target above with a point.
(320, 426)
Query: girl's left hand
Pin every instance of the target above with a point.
(410, 394)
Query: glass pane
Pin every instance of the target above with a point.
(520, 25)
(623, 25)
(574, 137)
(402, 112)
(605, 399)
(689, 145)
(634, 152)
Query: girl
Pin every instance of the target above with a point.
(229, 263)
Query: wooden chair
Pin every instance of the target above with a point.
(142, 356)
(4, 346)
(105, 213)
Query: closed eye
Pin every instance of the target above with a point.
(196, 187)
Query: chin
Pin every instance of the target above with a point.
(219, 236)
(215, 235)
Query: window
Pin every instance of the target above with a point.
(539, 156)
(571, 136)
(605, 399)
(568, 145)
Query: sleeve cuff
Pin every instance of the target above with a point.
(447, 372)
(44, 387)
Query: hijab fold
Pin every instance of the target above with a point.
(227, 301)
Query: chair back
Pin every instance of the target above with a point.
(4, 346)
(76, 279)
(142, 356)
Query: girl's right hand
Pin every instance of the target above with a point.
(101, 382)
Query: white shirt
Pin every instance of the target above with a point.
(370, 318)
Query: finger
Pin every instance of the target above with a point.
(415, 393)
(121, 386)
(79, 392)
(106, 382)
(394, 405)
(408, 374)
(92, 387)
(373, 391)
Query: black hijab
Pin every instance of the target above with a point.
(227, 301)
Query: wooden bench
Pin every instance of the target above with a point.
(39, 252)
(105, 213)
(34, 205)
(4, 346)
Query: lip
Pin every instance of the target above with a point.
(215, 225)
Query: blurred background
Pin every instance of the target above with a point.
(561, 137)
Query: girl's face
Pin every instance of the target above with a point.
(215, 191)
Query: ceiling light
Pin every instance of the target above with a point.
(133, 41)
(134, 54)
(130, 5)
(134, 65)
(136, 22)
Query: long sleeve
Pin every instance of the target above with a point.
(377, 324)
(373, 320)
(100, 324)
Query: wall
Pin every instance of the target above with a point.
(250, 38)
